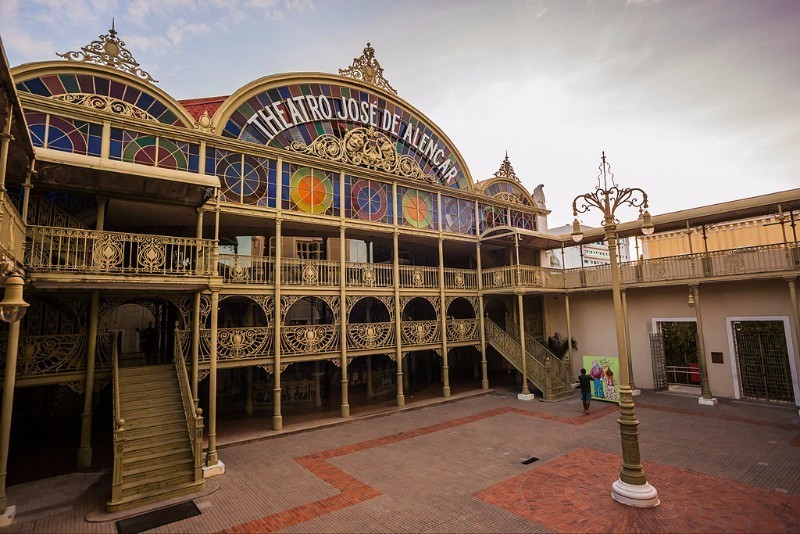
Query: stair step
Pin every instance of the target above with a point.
(159, 464)
(147, 370)
(137, 380)
(174, 419)
(156, 431)
(163, 482)
(167, 442)
(155, 471)
(155, 412)
(156, 402)
(151, 393)
(134, 501)
(146, 460)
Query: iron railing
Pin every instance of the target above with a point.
(257, 270)
(89, 251)
(191, 408)
(301, 272)
(119, 427)
(419, 277)
(12, 230)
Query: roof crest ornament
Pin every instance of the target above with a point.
(506, 170)
(109, 51)
(366, 68)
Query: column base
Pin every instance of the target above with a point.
(214, 470)
(525, 396)
(644, 496)
(401, 400)
(345, 410)
(484, 384)
(636, 392)
(84, 457)
(7, 517)
(277, 422)
(707, 402)
(446, 391)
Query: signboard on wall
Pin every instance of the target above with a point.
(604, 373)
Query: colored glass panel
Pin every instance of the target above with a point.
(369, 200)
(86, 84)
(459, 216)
(492, 216)
(417, 209)
(508, 192)
(310, 190)
(246, 179)
(65, 135)
(526, 221)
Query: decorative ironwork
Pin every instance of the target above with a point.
(367, 69)
(462, 329)
(364, 147)
(109, 51)
(105, 103)
(270, 367)
(237, 343)
(420, 332)
(202, 374)
(309, 339)
(608, 198)
(338, 361)
(370, 335)
(507, 171)
(734, 263)
(507, 197)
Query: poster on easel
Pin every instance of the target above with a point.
(604, 373)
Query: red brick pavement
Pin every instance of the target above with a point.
(712, 415)
(565, 495)
(353, 491)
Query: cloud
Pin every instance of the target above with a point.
(25, 47)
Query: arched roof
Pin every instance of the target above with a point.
(507, 190)
(294, 110)
(100, 87)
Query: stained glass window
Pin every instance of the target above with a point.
(65, 135)
(98, 92)
(368, 200)
(310, 190)
(492, 216)
(523, 220)
(246, 179)
(459, 216)
(508, 192)
(417, 208)
(144, 149)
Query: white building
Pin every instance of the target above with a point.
(585, 254)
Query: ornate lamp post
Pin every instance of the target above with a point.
(632, 487)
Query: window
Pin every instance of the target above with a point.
(310, 250)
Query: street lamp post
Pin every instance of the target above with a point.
(632, 487)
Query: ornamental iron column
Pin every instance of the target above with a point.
(706, 398)
(484, 365)
(632, 487)
(398, 316)
(443, 322)
(277, 418)
(211, 457)
(343, 322)
(628, 341)
(85, 450)
(12, 309)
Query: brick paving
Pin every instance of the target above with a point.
(456, 467)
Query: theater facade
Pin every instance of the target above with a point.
(310, 243)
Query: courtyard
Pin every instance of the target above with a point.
(457, 466)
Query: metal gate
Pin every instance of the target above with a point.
(762, 360)
(659, 363)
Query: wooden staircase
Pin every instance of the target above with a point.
(545, 370)
(153, 445)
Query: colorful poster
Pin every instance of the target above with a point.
(604, 373)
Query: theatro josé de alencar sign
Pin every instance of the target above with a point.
(295, 116)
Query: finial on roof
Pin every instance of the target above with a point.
(366, 68)
(109, 51)
(506, 170)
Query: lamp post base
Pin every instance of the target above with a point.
(707, 402)
(644, 496)
(525, 396)
(7, 517)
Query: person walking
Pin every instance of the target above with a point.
(585, 385)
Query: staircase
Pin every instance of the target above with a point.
(544, 369)
(156, 457)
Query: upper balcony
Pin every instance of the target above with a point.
(55, 254)
(749, 262)
(12, 232)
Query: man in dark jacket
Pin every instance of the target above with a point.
(585, 384)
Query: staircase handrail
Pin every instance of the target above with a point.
(504, 343)
(119, 426)
(192, 411)
(559, 368)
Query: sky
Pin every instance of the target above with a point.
(695, 102)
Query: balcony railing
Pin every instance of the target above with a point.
(460, 278)
(12, 230)
(90, 251)
(462, 330)
(365, 336)
(309, 339)
(420, 332)
(419, 277)
(301, 272)
(56, 354)
(369, 275)
(235, 269)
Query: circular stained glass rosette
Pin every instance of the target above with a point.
(493, 217)
(311, 190)
(369, 200)
(417, 209)
(459, 216)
